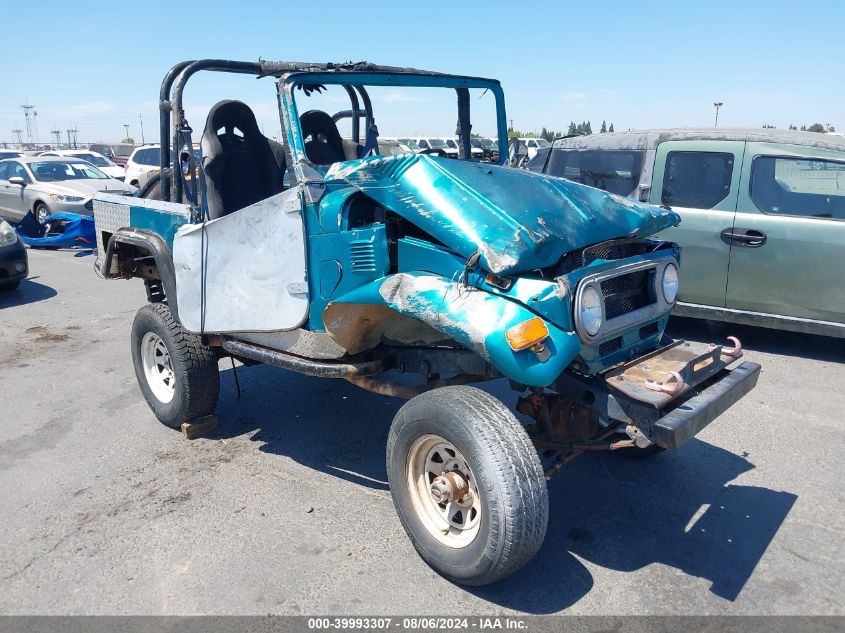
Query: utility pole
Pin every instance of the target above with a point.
(17, 132)
(57, 135)
(717, 105)
(141, 119)
(71, 136)
(126, 127)
(30, 114)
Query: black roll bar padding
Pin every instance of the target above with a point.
(177, 76)
(464, 125)
(368, 106)
(356, 109)
(218, 65)
(164, 124)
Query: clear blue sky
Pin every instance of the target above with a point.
(638, 64)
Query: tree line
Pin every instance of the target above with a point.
(815, 127)
(575, 129)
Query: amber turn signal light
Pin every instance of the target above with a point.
(527, 334)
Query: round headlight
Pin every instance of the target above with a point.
(591, 316)
(670, 283)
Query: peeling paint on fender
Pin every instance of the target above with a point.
(472, 317)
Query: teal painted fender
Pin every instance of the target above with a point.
(474, 318)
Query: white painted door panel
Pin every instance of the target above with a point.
(255, 269)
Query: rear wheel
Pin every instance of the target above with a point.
(467, 484)
(178, 375)
(8, 287)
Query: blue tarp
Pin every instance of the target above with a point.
(63, 230)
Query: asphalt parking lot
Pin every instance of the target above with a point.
(286, 509)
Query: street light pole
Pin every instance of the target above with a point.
(717, 105)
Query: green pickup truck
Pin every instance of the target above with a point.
(763, 215)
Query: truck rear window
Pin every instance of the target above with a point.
(616, 171)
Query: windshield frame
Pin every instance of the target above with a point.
(288, 83)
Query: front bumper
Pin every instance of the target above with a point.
(85, 207)
(669, 395)
(686, 419)
(13, 263)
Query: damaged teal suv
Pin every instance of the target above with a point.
(321, 256)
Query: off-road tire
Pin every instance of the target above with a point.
(197, 377)
(514, 498)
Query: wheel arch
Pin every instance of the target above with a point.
(149, 244)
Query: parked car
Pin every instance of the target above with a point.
(118, 153)
(98, 160)
(48, 184)
(13, 259)
(411, 143)
(476, 153)
(391, 147)
(533, 144)
(142, 162)
(453, 271)
(488, 147)
(9, 154)
(433, 145)
(763, 230)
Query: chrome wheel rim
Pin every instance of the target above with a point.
(158, 368)
(452, 522)
(41, 214)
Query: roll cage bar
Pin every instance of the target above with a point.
(173, 124)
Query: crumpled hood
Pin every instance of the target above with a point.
(517, 220)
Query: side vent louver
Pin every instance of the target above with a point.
(362, 256)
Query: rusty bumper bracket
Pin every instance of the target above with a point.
(666, 373)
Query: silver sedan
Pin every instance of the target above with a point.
(46, 185)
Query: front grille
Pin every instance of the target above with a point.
(626, 293)
(608, 347)
(610, 250)
(89, 205)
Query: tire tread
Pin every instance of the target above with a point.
(515, 461)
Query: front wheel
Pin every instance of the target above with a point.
(178, 375)
(42, 212)
(467, 484)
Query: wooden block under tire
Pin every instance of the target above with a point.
(199, 427)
